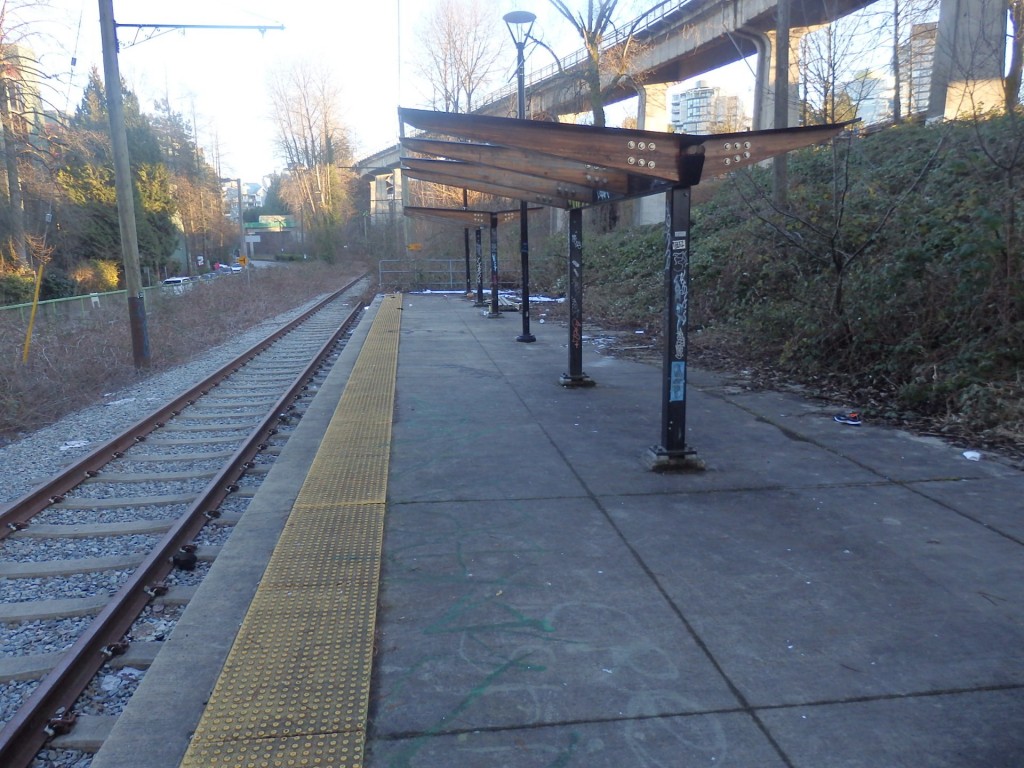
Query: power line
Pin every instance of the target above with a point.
(159, 29)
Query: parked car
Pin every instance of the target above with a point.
(207, 277)
(176, 285)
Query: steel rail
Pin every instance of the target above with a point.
(16, 514)
(28, 731)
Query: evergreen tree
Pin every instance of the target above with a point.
(274, 203)
(88, 180)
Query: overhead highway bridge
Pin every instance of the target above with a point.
(683, 39)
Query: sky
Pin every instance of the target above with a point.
(218, 76)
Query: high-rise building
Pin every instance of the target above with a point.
(915, 59)
(253, 196)
(872, 94)
(705, 109)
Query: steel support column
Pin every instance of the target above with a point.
(575, 377)
(672, 453)
(465, 237)
(479, 269)
(495, 310)
(469, 284)
(524, 265)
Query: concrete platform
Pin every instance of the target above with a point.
(822, 596)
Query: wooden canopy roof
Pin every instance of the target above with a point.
(564, 165)
(461, 216)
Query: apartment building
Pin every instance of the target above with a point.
(707, 109)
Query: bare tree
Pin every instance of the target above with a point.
(431, 195)
(828, 229)
(200, 211)
(611, 52)
(14, 139)
(314, 142)
(903, 21)
(461, 51)
(836, 84)
(20, 114)
(831, 90)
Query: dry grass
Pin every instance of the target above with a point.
(72, 364)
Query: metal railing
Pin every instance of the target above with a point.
(422, 274)
(73, 307)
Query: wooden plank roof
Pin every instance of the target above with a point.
(498, 190)
(523, 161)
(515, 180)
(564, 165)
(463, 217)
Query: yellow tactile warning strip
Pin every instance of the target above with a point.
(295, 687)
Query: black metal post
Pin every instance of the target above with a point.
(479, 269)
(495, 311)
(469, 284)
(465, 234)
(524, 227)
(575, 377)
(673, 453)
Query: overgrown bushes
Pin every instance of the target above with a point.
(71, 365)
(16, 287)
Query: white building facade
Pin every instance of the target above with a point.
(706, 109)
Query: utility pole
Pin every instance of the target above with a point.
(123, 188)
(123, 173)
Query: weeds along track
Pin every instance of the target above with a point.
(98, 562)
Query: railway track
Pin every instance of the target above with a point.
(97, 563)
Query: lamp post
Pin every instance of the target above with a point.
(520, 24)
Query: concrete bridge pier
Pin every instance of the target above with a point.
(388, 197)
(387, 193)
(967, 69)
(651, 115)
(652, 107)
(764, 78)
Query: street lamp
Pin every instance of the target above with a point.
(520, 24)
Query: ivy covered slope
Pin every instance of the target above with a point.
(892, 279)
